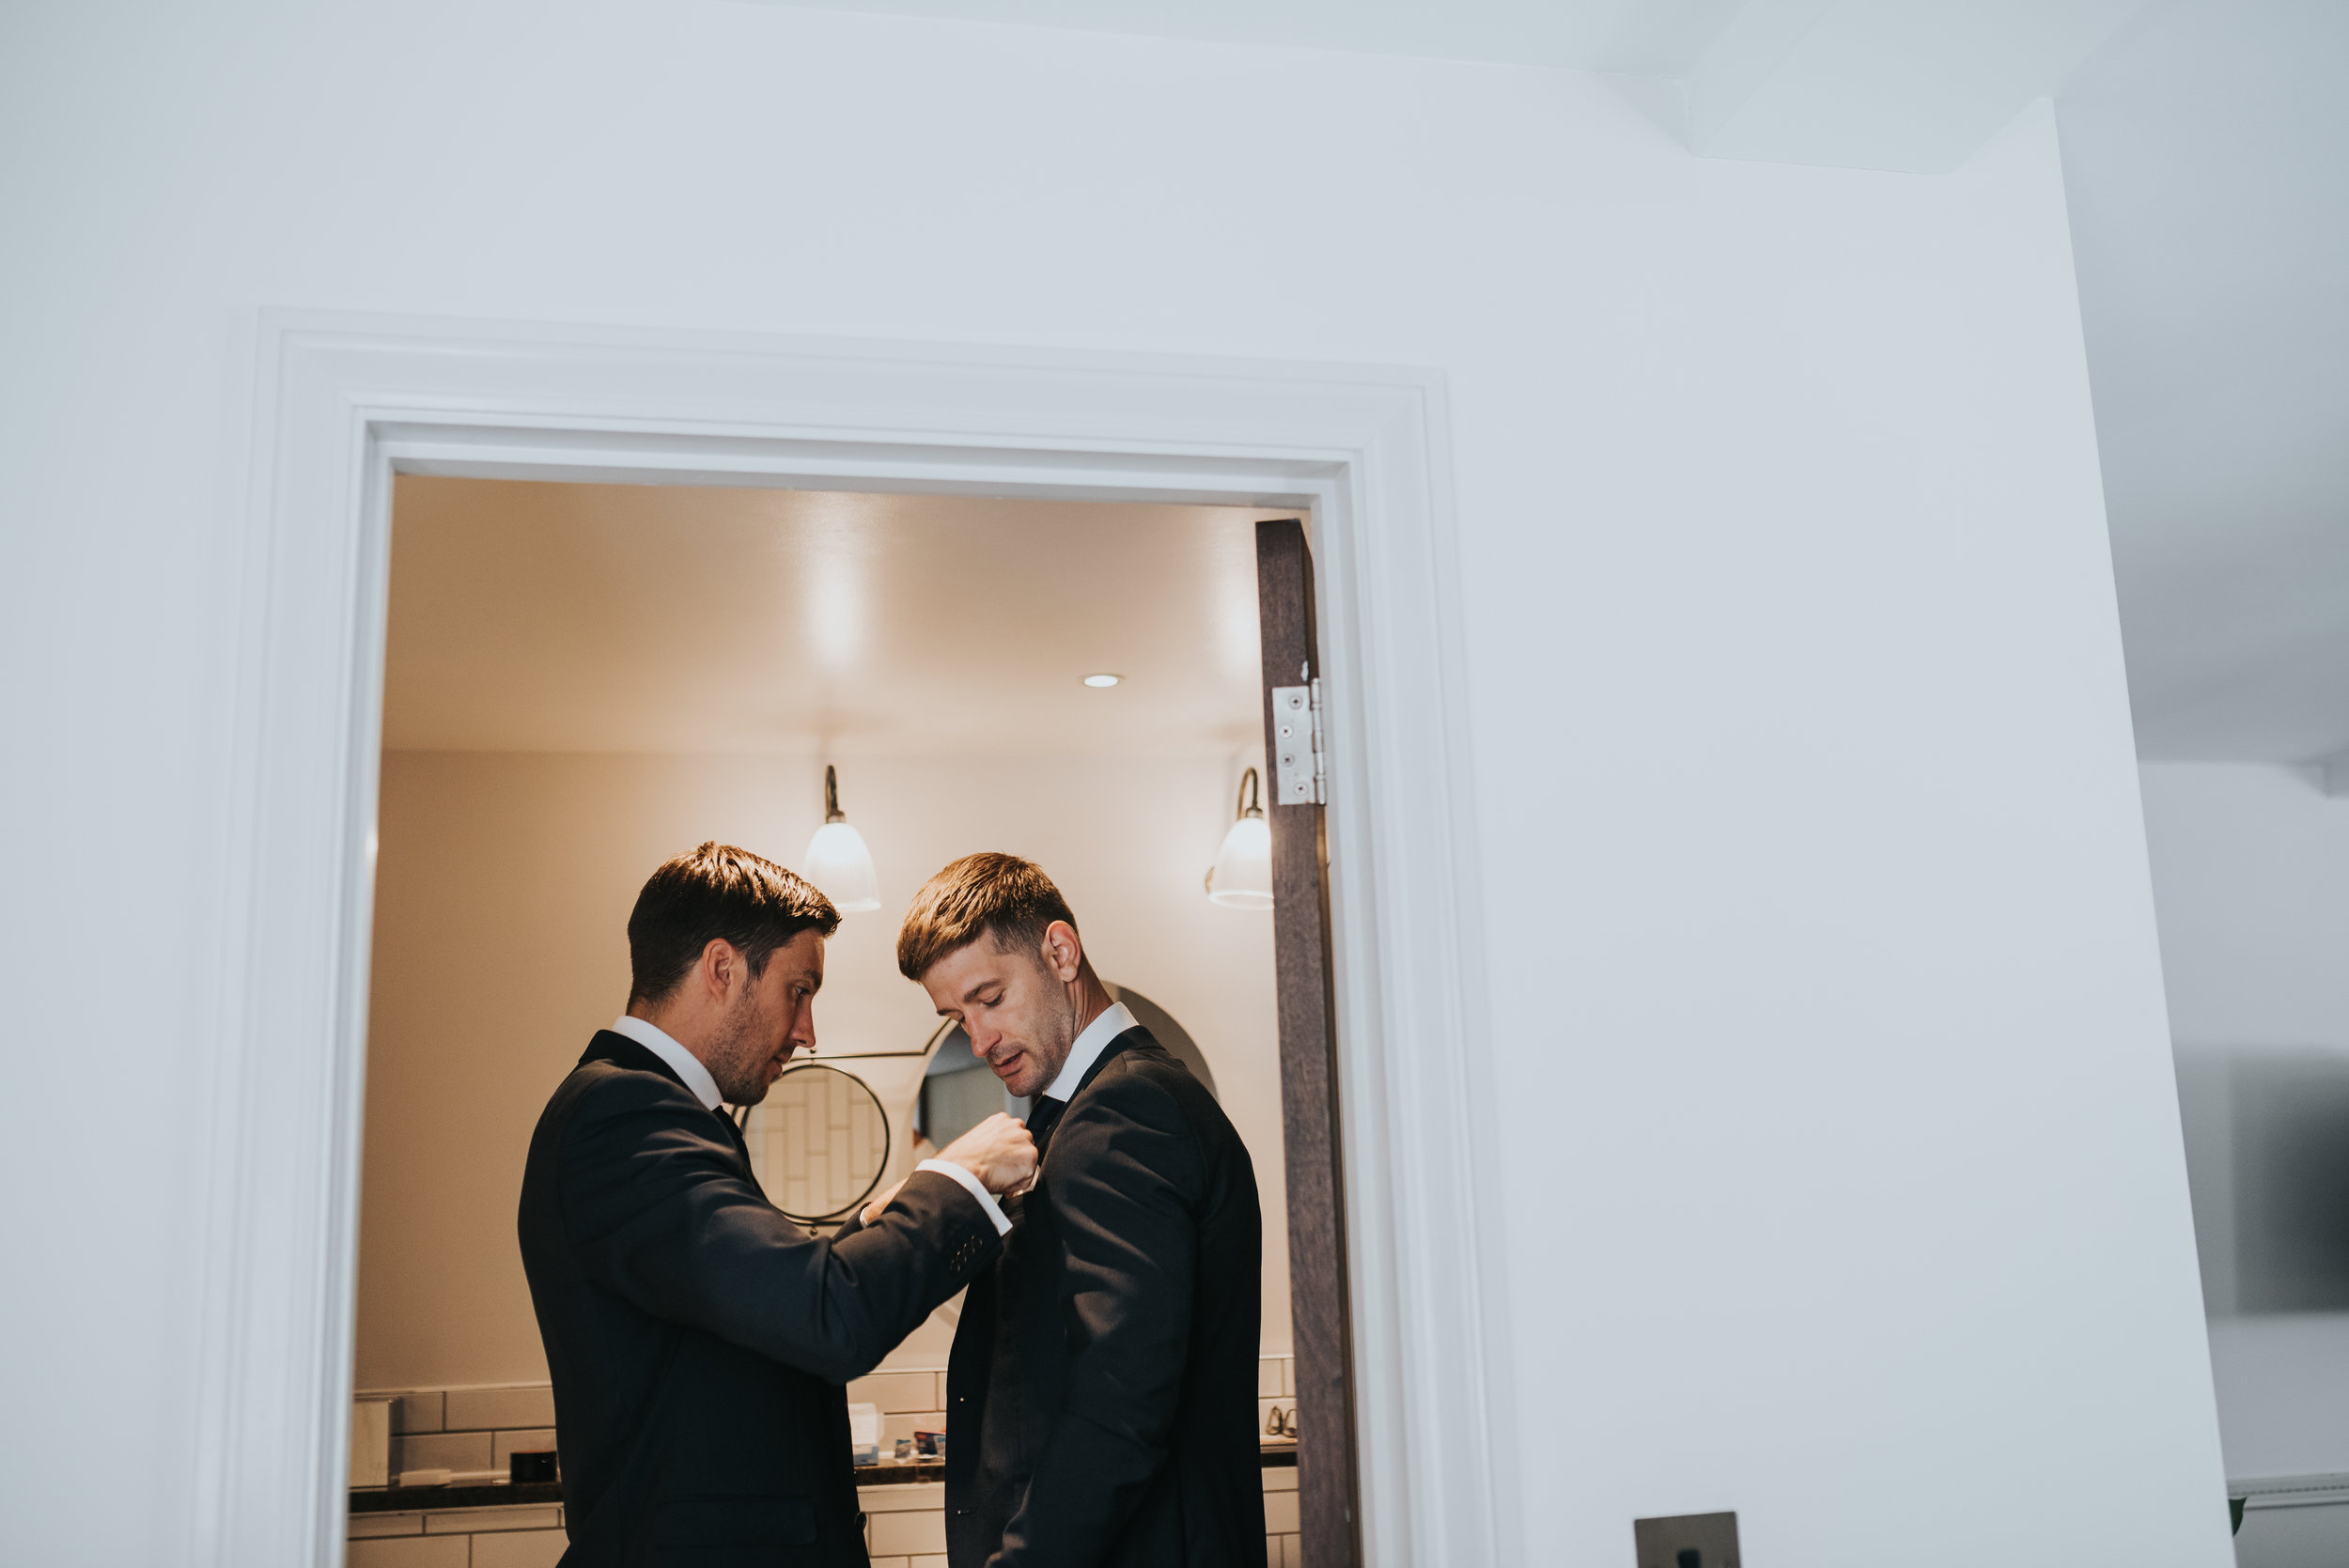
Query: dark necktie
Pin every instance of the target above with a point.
(1042, 1120)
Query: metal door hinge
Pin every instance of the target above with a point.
(1301, 769)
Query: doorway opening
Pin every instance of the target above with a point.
(342, 402)
(581, 679)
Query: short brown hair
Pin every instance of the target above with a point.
(717, 892)
(990, 894)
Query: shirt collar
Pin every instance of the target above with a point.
(1087, 1050)
(686, 1065)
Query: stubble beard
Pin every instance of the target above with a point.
(738, 1056)
(1064, 1022)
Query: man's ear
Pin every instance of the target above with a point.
(721, 967)
(1063, 955)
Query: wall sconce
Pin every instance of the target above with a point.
(1242, 876)
(836, 860)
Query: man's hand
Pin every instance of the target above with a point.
(998, 1151)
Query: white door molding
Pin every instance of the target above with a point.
(346, 401)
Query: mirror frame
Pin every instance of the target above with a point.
(888, 1144)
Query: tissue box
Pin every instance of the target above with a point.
(865, 1426)
(370, 1442)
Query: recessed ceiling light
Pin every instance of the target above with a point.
(1104, 679)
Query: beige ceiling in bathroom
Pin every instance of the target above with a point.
(556, 617)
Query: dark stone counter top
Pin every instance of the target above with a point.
(534, 1493)
(434, 1499)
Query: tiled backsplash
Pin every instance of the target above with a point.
(473, 1430)
(469, 1431)
(915, 1400)
(463, 1538)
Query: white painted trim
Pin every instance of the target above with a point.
(345, 401)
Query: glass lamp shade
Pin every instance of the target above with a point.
(1243, 877)
(839, 864)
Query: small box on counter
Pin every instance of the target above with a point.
(865, 1433)
(370, 1442)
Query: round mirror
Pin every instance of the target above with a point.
(824, 1142)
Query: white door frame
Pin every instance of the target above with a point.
(345, 401)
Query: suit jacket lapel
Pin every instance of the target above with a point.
(618, 1049)
(1041, 1124)
(1137, 1036)
(612, 1045)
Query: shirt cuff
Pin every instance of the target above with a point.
(971, 1185)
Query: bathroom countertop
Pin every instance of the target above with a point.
(433, 1500)
(438, 1499)
(1273, 1456)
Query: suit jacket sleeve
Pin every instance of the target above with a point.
(1123, 1176)
(657, 1212)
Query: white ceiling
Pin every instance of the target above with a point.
(552, 617)
(2206, 153)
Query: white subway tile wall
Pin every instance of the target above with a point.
(366, 1525)
(887, 1392)
(480, 1521)
(414, 1551)
(530, 1548)
(415, 1411)
(442, 1451)
(486, 1409)
(458, 1538)
(903, 1534)
(1281, 1549)
(477, 1429)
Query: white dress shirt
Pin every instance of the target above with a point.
(686, 1065)
(972, 1184)
(689, 1068)
(1087, 1050)
(1082, 1053)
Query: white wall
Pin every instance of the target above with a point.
(503, 892)
(1828, 1084)
(2252, 879)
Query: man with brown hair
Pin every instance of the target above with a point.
(697, 1338)
(1102, 1390)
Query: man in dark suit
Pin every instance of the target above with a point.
(699, 1340)
(1101, 1394)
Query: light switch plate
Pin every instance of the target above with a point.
(1687, 1541)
